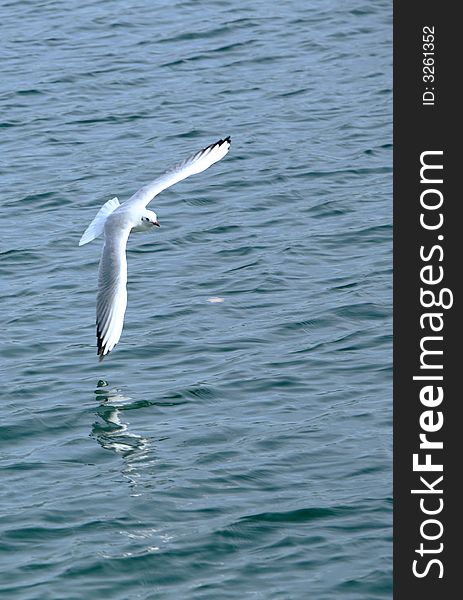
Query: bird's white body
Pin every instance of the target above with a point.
(117, 221)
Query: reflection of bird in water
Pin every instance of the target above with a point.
(113, 434)
(138, 538)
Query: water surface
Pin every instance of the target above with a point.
(240, 448)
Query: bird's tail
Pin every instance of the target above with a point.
(97, 225)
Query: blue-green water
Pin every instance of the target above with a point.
(241, 449)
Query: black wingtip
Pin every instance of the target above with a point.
(100, 349)
(211, 146)
(221, 142)
(100, 353)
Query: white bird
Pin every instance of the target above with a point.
(116, 221)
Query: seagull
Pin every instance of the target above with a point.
(116, 221)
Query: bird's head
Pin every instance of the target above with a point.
(149, 219)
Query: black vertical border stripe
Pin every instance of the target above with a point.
(417, 129)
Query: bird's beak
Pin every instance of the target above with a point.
(156, 223)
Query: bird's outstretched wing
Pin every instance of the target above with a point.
(111, 300)
(196, 163)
